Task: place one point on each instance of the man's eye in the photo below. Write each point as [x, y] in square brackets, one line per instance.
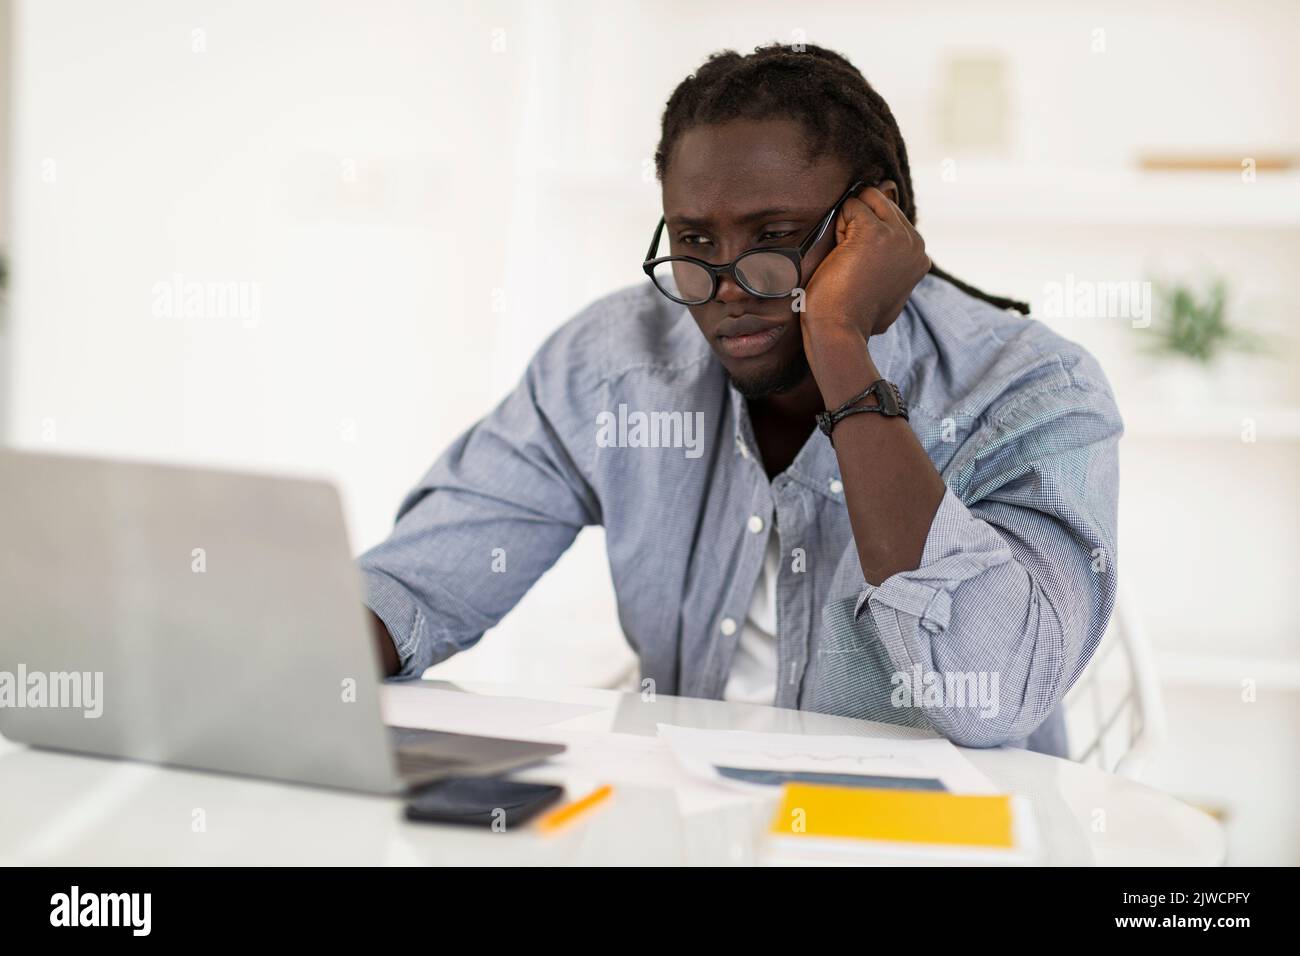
[775, 236]
[693, 240]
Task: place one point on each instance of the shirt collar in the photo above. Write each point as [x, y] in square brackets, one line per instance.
[816, 464]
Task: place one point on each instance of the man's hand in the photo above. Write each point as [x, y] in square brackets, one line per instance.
[891, 487]
[861, 286]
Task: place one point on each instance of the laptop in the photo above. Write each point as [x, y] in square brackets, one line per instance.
[201, 618]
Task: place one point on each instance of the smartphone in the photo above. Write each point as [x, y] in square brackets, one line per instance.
[481, 801]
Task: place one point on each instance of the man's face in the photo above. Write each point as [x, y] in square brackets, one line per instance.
[737, 186]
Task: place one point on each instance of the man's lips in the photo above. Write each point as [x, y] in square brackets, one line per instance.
[746, 336]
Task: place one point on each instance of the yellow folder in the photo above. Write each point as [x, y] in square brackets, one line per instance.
[901, 816]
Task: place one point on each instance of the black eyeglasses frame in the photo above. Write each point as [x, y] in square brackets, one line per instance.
[795, 254]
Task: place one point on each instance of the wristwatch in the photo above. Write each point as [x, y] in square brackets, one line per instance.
[889, 402]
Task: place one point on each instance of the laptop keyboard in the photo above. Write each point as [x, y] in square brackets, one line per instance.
[430, 754]
[413, 762]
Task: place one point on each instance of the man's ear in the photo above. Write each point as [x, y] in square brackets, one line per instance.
[890, 189]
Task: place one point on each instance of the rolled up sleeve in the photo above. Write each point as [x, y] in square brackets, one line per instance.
[1016, 581]
[958, 548]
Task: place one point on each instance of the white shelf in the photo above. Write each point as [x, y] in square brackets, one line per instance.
[1272, 422]
[999, 196]
[1213, 671]
[988, 195]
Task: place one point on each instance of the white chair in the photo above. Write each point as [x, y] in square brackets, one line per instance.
[1115, 712]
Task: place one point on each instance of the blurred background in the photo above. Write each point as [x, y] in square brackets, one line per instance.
[325, 237]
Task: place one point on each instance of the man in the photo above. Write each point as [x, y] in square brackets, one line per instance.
[903, 504]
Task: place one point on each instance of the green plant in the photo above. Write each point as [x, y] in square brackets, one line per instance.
[1196, 326]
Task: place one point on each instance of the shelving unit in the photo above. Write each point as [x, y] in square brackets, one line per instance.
[982, 202]
[977, 194]
[1272, 422]
[1213, 671]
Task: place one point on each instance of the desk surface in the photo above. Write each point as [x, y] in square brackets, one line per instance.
[60, 809]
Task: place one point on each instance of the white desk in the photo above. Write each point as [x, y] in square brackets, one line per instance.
[70, 810]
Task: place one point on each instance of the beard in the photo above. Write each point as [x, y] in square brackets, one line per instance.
[774, 381]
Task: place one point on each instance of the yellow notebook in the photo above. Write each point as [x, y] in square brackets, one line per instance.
[815, 812]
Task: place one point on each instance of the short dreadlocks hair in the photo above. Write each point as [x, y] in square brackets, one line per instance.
[819, 89]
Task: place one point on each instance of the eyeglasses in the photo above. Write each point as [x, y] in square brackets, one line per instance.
[764, 272]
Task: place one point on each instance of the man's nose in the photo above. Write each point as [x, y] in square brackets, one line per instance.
[729, 290]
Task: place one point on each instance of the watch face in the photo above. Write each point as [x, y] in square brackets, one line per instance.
[887, 395]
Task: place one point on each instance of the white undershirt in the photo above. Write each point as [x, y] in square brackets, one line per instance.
[753, 666]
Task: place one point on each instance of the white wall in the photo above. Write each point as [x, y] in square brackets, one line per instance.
[5, 62]
[4, 124]
[385, 174]
[366, 169]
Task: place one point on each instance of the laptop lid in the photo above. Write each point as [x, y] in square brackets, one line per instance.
[186, 616]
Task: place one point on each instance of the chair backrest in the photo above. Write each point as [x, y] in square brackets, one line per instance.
[1115, 712]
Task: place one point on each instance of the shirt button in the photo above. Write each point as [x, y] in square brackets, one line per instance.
[728, 626]
[836, 486]
[755, 524]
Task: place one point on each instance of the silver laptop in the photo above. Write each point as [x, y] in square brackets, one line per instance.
[205, 619]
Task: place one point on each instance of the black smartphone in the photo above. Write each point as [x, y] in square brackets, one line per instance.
[481, 801]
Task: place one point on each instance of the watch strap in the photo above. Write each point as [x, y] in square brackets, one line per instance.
[889, 402]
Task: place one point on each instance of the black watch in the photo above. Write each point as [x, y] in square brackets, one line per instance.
[889, 402]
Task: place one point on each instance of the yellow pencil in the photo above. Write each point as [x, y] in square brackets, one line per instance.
[566, 814]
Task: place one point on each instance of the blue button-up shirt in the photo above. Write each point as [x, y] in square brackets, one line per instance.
[625, 418]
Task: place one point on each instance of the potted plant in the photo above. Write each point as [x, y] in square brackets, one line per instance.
[1192, 338]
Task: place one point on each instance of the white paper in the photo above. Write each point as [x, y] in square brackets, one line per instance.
[593, 759]
[615, 758]
[431, 708]
[701, 752]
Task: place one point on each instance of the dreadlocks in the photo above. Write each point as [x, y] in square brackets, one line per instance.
[821, 90]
